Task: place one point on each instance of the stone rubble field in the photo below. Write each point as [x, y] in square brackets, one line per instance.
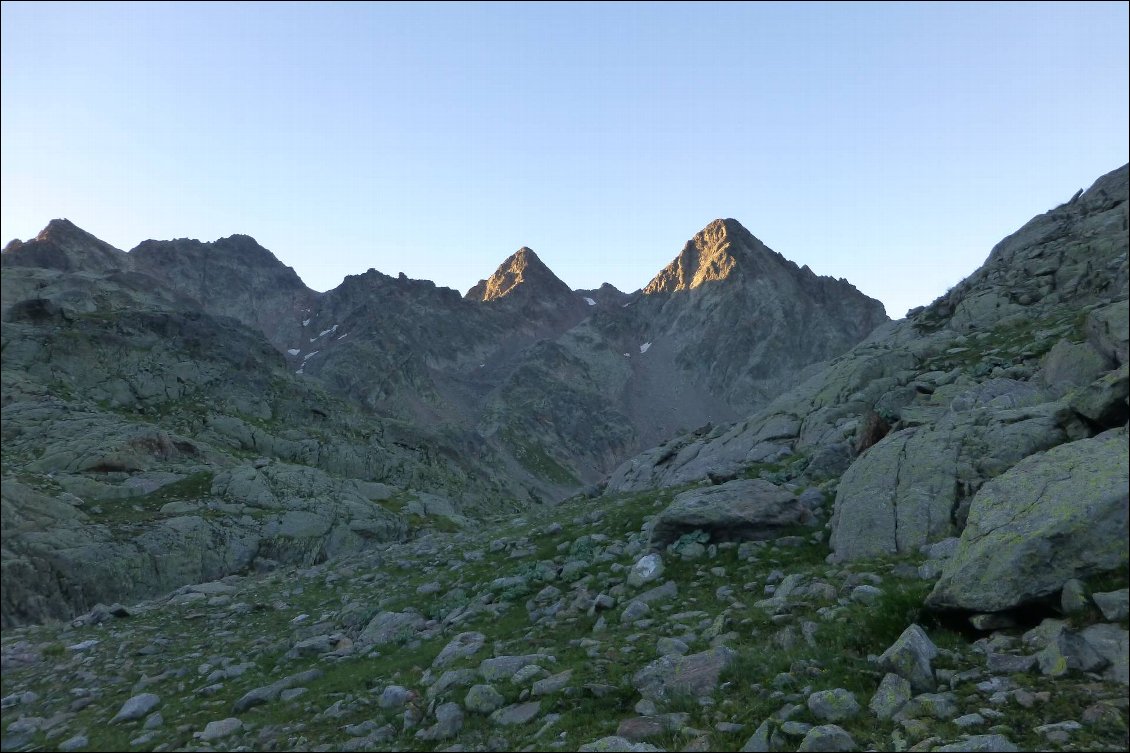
[573, 629]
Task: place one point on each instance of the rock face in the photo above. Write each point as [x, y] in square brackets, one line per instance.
[232, 276]
[1054, 516]
[725, 274]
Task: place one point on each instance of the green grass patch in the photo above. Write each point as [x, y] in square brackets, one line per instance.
[537, 461]
[147, 507]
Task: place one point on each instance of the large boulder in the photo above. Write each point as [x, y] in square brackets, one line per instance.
[910, 658]
[1103, 402]
[1108, 330]
[912, 488]
[737, 510]
[1057, 515]
[391, 627]
[696, 675]
[1069, 364]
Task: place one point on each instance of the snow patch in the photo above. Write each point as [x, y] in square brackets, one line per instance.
[293, 352]
[298, 372]
[324, 332]
[644, 347]
[627, 355]
[341, 336]
[305, 322]
[590, 301]
[310, 355]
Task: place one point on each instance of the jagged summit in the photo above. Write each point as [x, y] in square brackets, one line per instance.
[61, 228]
[64, 246]
[606, 295]
[718, 252]
[522, 271]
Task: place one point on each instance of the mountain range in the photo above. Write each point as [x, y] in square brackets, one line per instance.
[202, 364]
[563, 384]
[706, 514]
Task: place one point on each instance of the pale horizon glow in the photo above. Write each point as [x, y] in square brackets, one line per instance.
[889, 144]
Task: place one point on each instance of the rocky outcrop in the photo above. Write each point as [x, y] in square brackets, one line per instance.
[1074, 254]
[62, 555]
[742, 510]
[1054, 516]
[914, 487]
[695, 675]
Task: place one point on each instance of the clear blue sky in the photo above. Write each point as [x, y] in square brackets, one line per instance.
[890, 144]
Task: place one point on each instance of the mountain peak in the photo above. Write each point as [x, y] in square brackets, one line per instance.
[64, 231]
[65, 246]
[522, 272]
[715, 253]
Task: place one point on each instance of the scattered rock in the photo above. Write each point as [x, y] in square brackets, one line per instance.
[648, 568]
[395, 697]
[834, 705]
[505, 667]
[518, 713]
[981, 744]
[78, 742]
[893, 693]
[390, 627]
[1115, 605]
[1073, 599]
[268, 693]
[460, 647]
[647, 727]
[552, 684]
[216, 730]
[1112, 644]
[910, 657]
[827, 737]
[136, 707]
[615, 744]
[483, 699]
[449, 721]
